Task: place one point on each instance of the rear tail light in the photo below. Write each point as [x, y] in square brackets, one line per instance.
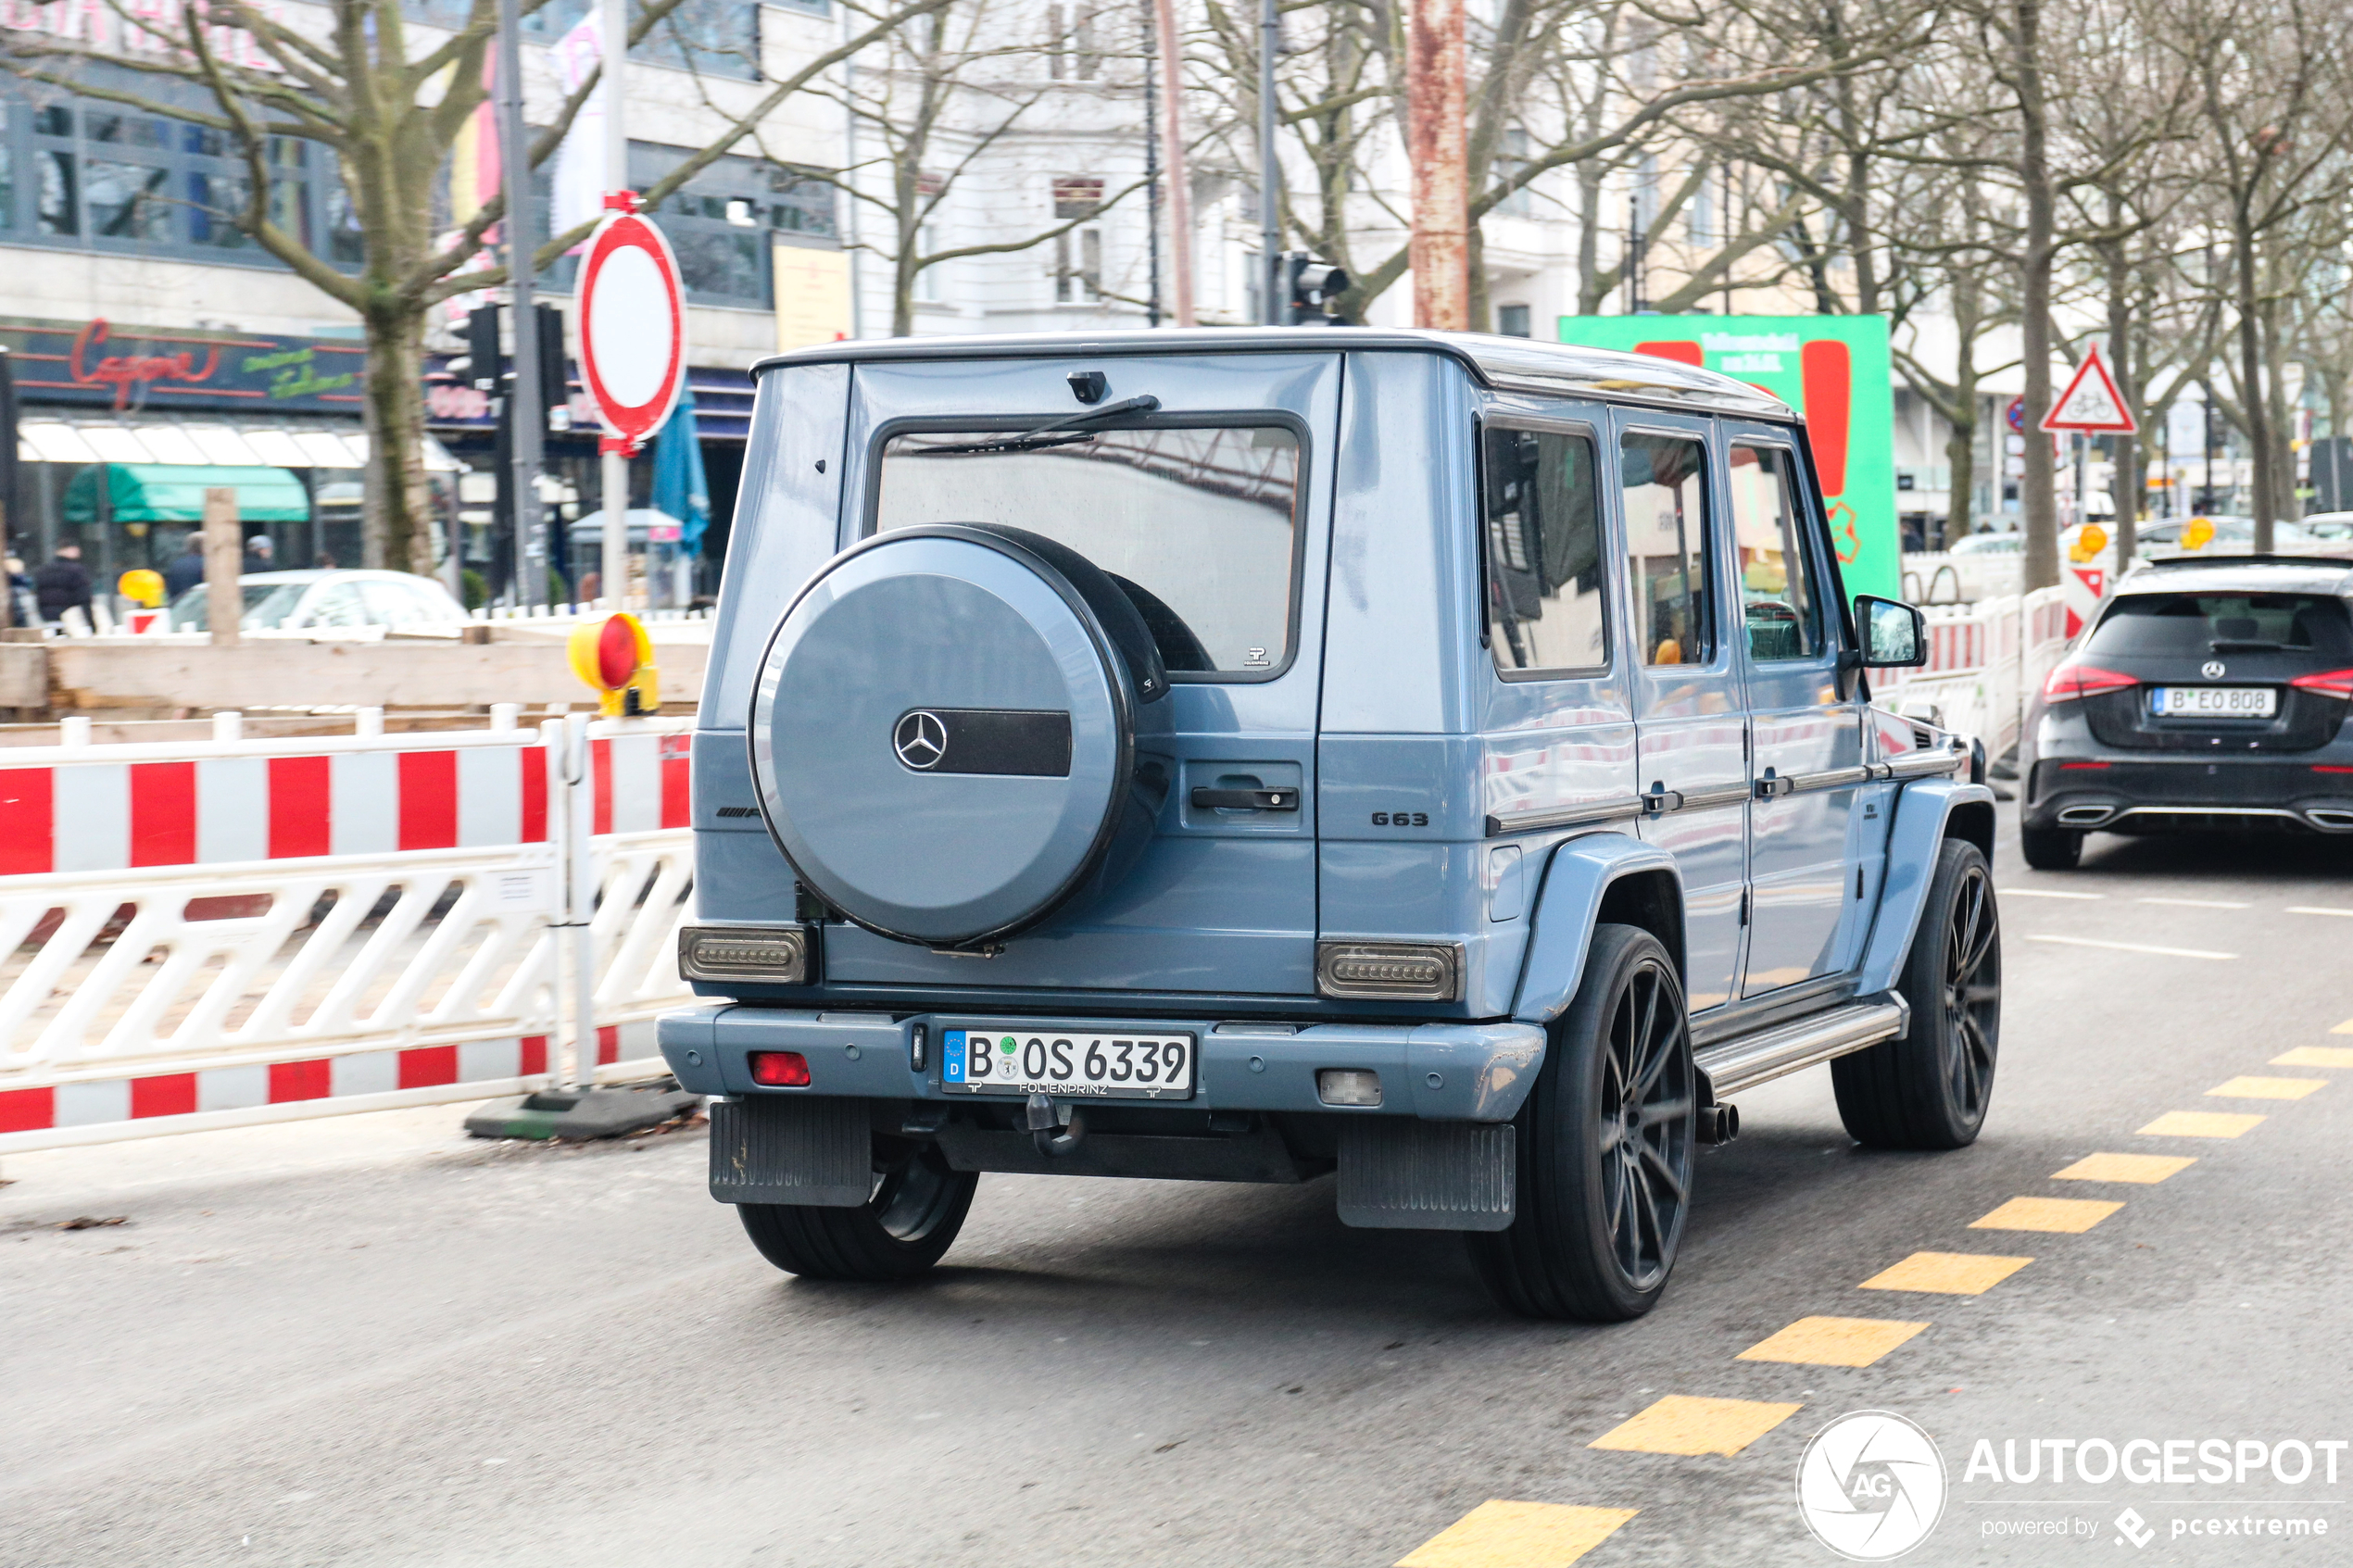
[1403, 971]
[2328, 683]
[2071, 680]
[778, 955]
[780, 1070]
[2072, 767]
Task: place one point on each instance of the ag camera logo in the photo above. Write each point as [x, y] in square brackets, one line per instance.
[1870, 1485]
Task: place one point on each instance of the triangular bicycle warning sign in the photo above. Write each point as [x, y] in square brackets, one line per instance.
[2090, 403]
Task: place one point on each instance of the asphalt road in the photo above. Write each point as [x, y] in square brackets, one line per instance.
[366, 1340]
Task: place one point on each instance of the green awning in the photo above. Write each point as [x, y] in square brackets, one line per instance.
[174, 493]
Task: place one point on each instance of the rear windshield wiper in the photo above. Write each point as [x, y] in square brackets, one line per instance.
[1054, 432]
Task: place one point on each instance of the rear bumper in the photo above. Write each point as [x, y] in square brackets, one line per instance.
[1435, 1071]
[2142, 795]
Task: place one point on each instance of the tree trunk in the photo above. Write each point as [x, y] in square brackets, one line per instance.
[2124, 480]
[396, 514]
[1482, 317]
[2038, 491]
[2254, 399]
[1591, 289]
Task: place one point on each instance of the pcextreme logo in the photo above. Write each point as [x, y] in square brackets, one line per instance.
[1870, 1485]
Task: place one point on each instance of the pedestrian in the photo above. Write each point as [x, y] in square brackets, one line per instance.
[259, 550]
[64, 585]
[186, 570]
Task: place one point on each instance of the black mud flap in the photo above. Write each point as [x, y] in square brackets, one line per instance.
[798, 1150]
[1400, 1174]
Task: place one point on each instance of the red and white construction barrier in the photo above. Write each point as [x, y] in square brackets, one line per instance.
[202, 934]
[1984, 658]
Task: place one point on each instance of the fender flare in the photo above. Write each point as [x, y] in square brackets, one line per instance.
[1925, 810]
[1577, 876]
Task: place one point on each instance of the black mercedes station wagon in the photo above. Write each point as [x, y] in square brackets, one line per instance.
[2206, 696]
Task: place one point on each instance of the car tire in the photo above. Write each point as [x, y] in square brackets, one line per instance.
[1927, 1089]
[2051, 849]
[1601, 1216]
[918, 1206]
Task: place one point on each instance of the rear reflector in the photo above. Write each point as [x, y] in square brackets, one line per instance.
[2070, 767]
[2330, 768]
[780, 1070]
[2070, 682]
[2329, 683]
[1347, 1085]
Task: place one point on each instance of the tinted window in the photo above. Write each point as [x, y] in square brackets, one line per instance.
[1196, 525]
[1664, 480]
[2193, 624]
[1545, 580]
[1776, 559]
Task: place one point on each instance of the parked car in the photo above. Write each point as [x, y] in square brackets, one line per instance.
[318, 600]
[2231, 537]
[1988, 565]
[2204, 696]
[1219, 758]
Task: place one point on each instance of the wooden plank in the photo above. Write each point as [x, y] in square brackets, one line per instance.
[24, 675]
[286, 673]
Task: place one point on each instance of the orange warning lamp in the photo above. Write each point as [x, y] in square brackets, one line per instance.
[616, 657]
[2198, 534]
[142, 588]
[2090, 540]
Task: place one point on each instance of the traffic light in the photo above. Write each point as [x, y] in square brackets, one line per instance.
[1312, 289]
[555, 387]
[482, 368]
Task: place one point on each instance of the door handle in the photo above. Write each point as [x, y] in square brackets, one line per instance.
[1659, 800]
[1773, 784]
[1206, 799]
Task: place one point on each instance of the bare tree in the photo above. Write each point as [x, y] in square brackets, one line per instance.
[388, 100]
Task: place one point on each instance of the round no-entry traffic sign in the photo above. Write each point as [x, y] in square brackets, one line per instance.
[633, 326]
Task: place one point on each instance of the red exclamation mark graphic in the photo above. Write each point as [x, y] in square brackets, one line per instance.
[1826, 376]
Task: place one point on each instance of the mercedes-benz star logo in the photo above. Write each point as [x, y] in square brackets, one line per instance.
[2212, 669]
[921, 740]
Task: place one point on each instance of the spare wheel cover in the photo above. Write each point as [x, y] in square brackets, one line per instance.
[940, 736]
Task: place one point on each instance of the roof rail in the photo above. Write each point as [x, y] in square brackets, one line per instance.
[2318, 563]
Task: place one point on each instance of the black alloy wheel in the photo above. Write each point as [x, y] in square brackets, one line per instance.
[1606, 1146]
[1928, 1088]
[906, 1225]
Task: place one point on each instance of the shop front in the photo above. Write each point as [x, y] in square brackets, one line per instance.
[121, 430]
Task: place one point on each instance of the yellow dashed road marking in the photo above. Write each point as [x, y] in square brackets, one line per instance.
[1518, 1534]
[1832, 1341]
[2318, 1056]
[2068, 1214]
[1946, 1273]
[2317, 909]
[1680, 1423]
[2344, 1028]
[2269, 1088]
[2127, 1167]
[2200, 1124]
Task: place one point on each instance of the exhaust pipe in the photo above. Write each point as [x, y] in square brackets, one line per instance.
[2085, 816]
[1719, 1123]
[2334, 819]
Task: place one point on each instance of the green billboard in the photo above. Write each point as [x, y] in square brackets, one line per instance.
[1834, 369]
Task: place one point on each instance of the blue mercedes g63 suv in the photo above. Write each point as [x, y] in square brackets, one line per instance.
[1444, 763]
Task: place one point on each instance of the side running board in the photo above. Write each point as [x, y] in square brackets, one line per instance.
[1760, 1058]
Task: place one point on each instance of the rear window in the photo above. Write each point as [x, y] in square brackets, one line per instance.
[2198, 624]
[1197, 525]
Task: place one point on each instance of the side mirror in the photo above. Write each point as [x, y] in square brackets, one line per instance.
[1894, 634]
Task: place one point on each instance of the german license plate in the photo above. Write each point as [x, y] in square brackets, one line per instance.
[2214, 702]
[1081, 1064]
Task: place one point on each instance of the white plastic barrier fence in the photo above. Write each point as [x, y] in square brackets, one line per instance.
[202, 934]
[1984, 661]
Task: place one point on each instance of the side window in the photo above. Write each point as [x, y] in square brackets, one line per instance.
[1664, 480]
[1777, 565]
[1545, 580]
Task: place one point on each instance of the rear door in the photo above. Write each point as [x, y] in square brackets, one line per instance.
[1806, 741]
[1690, 717]
[1214, 511]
